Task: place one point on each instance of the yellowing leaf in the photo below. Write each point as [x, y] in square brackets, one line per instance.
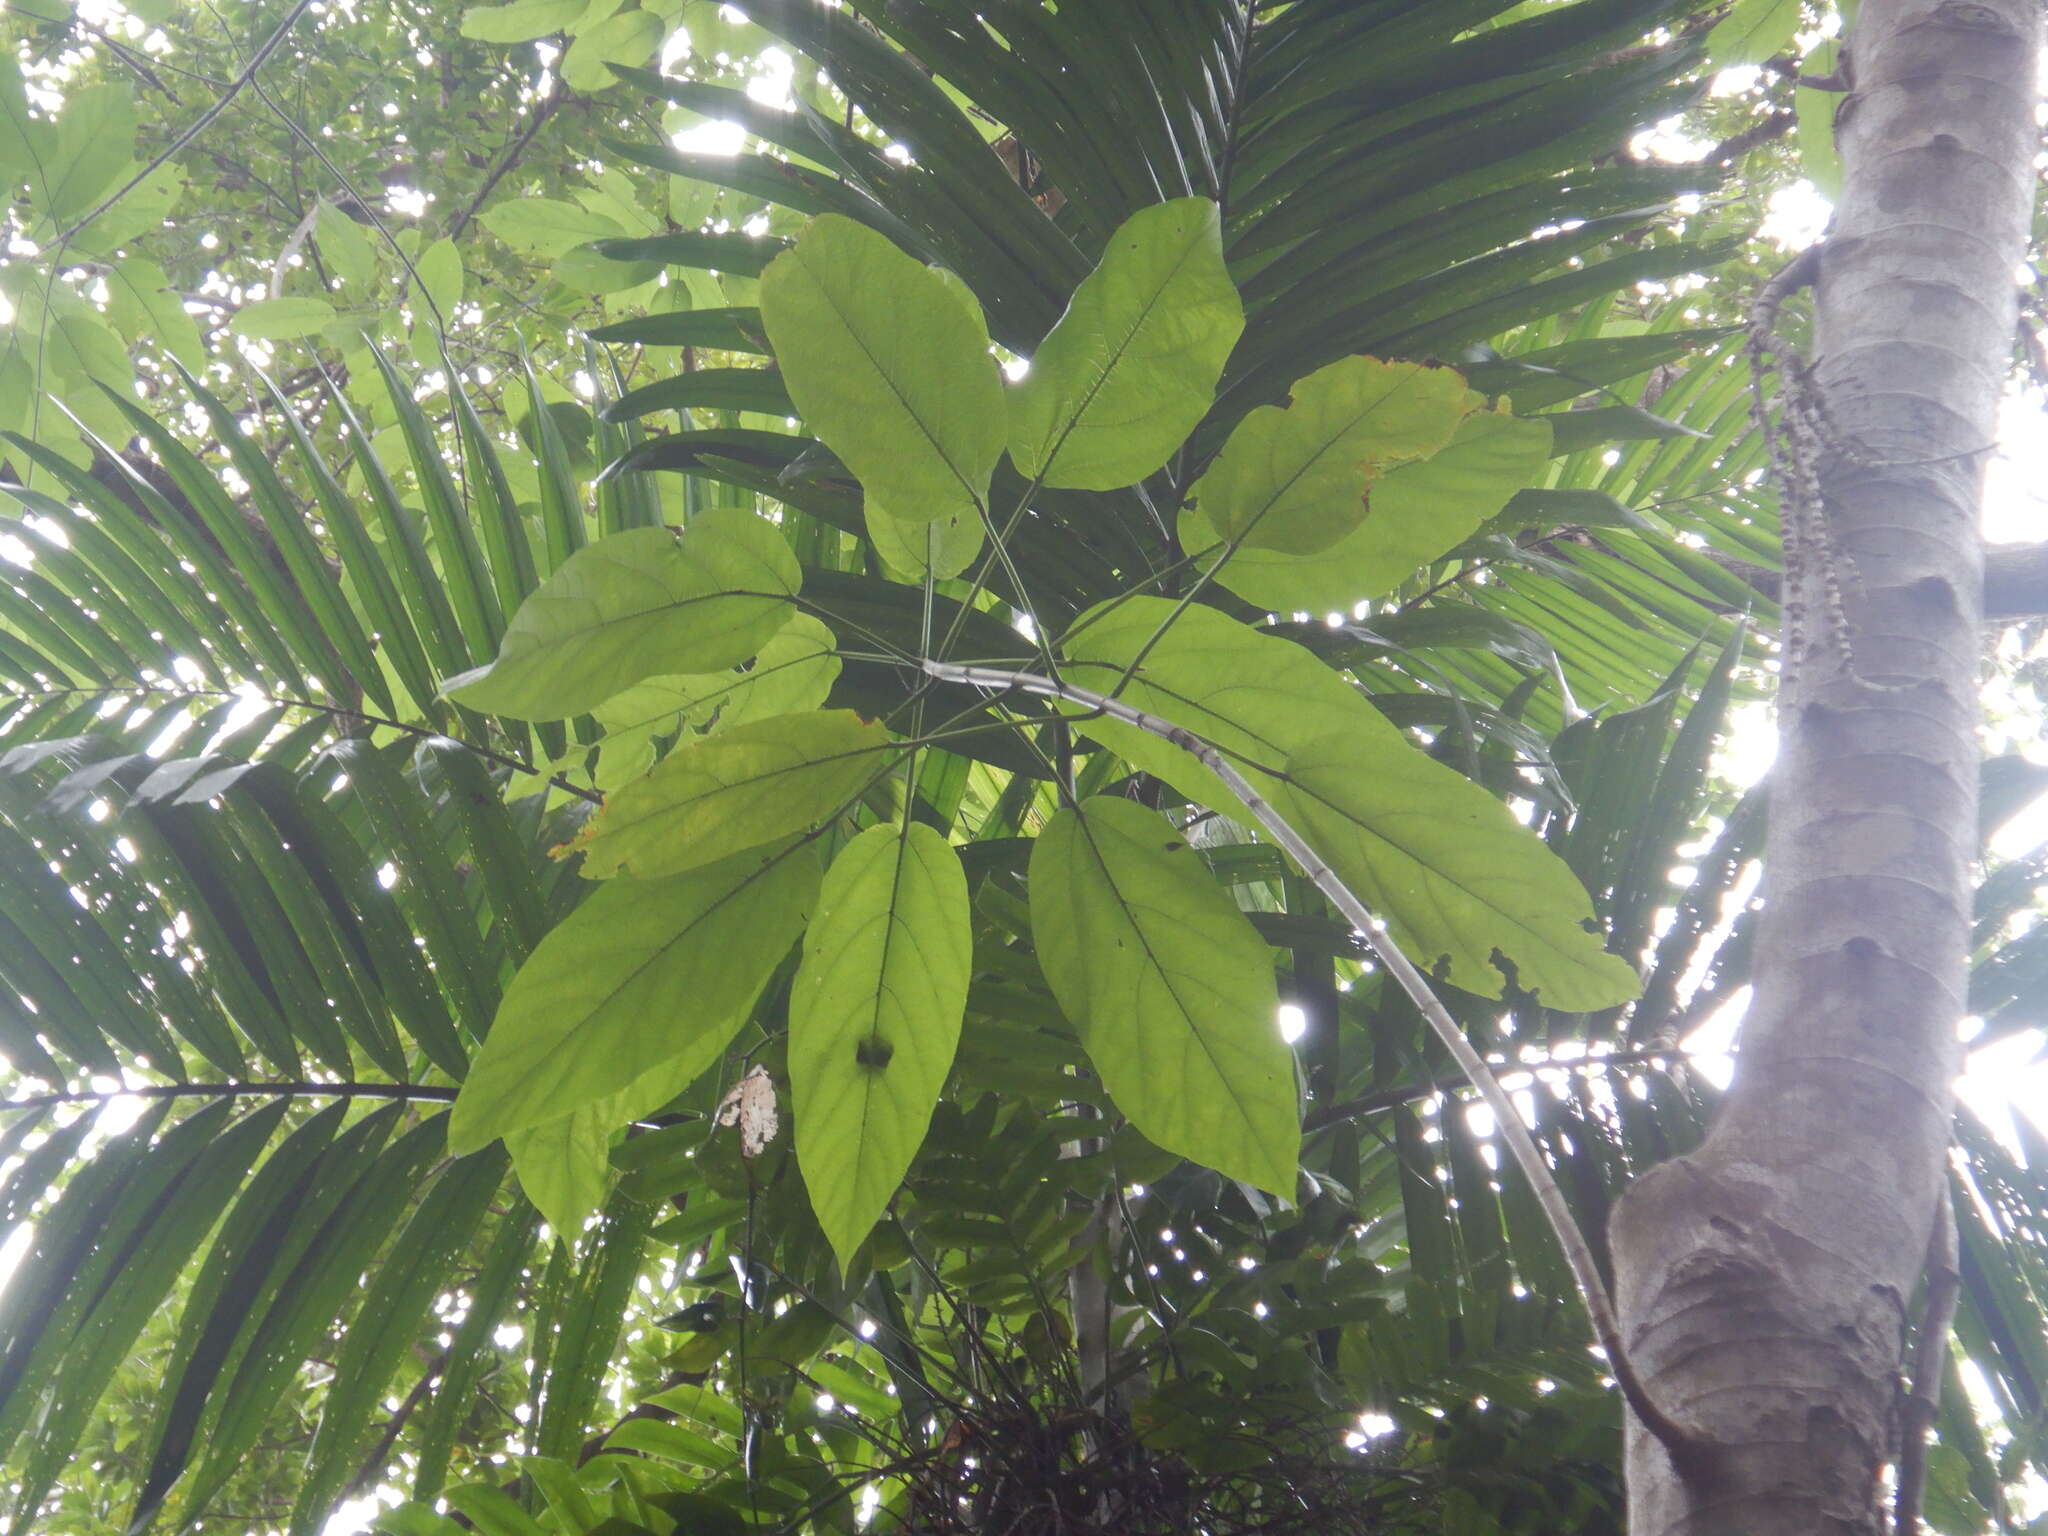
[1132, 365]
[1171, 988]
[638, 604]
[888, 363]
[734, 790]
[1414, 513]
[874, 1018]
[644, 975]
[1295, 479]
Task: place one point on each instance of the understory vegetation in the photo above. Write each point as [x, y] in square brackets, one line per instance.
[534, 1001]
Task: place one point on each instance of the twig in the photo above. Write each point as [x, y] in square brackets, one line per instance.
[1930, 1352]
[198, 124]
[366, 1474]
[128, 57]
[540, 114]
[1508, 1119]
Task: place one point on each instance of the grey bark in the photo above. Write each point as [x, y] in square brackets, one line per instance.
[1764, 1282]
[2015, 580]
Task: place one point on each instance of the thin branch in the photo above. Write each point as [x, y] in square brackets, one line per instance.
[366, 1474]
[1930, 1353]
[540, 114]
[300, 1089]
[198, 124]
[1508, 1119]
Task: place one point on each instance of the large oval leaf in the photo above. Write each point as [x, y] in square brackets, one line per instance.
[1171, 988]
[645, 974]
[888, 361]
[1132, 365]
[732, 791]
[1413, 514]
[638, 604]
[1279, 713]
[1453, 873]
[874, 1018]
[1295, 478]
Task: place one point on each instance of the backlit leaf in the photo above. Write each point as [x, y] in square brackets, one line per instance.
[888, 362]
[1274, 709]
[638, 604]
[281, 319]
[1132, 365]
[1295, 478]
[874, 1018]
[1453, 873]
[1170, 986]
[644, 975]
[1414, 513]
[732, 791]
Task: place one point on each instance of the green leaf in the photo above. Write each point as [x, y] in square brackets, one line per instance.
[1171, 988]
[888, 362]
[586, 269]
[281, 319]
[734, 790]
[1295, 479]
[1275, 709]
[564, 1164]
[440, 273]
[398, 1300]
[343, 246]
[874, 1019]
[1414, 513]
[95, 144]
[140, 301]
[546, 226]
[1751, 32]
[1814, 131]
[1132, 365]
[794, 673]
[627, 38]
[520, 22]
[947, 545]
[639, 603]
[1453, 873]
[644, 975]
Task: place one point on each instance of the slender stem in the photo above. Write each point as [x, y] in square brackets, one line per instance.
[1508, 1119]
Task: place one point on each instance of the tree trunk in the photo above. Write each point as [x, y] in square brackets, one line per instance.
[1764, 1282]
